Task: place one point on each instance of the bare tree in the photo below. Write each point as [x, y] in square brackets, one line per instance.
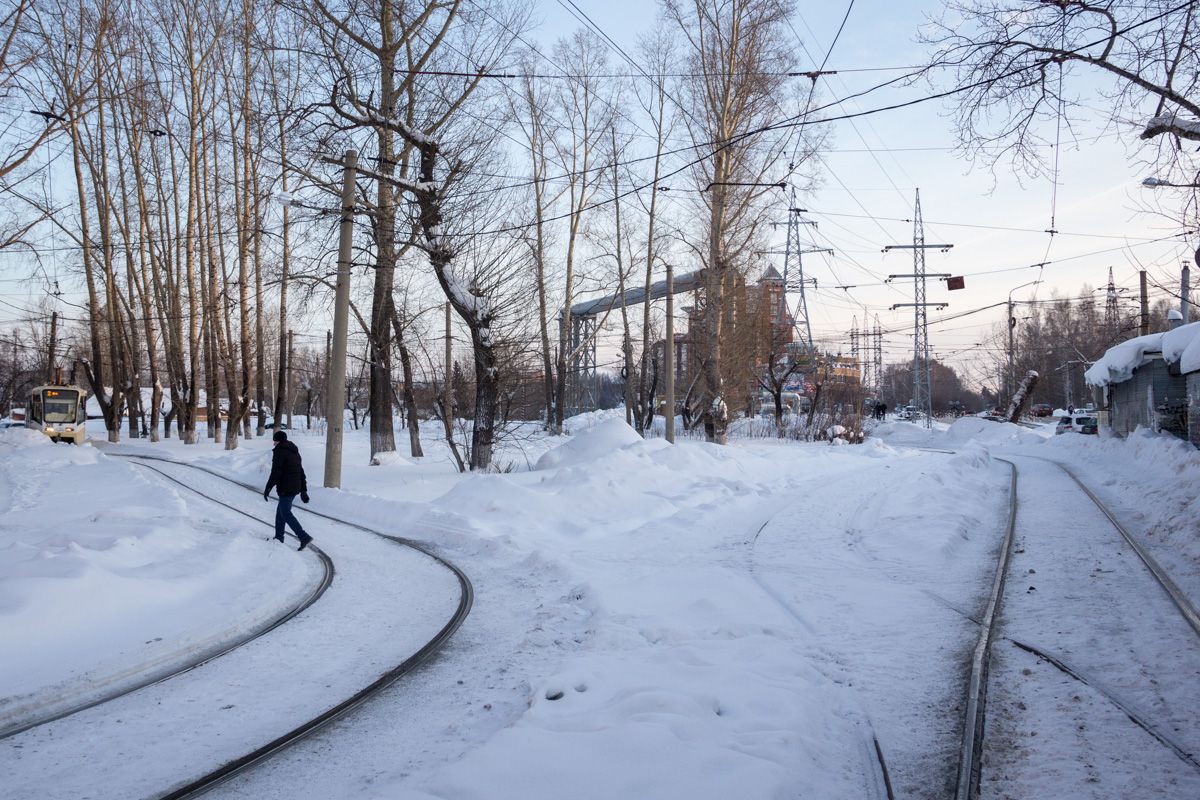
[739, 54]
[1019, 65]
[538, 130]
[584, 107]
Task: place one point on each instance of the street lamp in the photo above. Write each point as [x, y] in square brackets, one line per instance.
[1185, 276]
[1154, 183]
[1012, 323]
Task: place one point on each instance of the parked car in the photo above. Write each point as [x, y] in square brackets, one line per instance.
[1042, 410]
[1092, 426]
[1074, 424]
[11, 423]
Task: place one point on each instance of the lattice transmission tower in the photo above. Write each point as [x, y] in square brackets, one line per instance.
[877, 357]
[854, 348]
[922, 397]
[1112, 312]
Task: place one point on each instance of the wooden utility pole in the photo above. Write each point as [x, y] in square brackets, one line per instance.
[341, 313]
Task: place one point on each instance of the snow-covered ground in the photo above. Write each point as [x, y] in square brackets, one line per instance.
[650, 621]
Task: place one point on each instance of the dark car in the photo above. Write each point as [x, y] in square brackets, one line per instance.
[1091, 426]
[1042, 410]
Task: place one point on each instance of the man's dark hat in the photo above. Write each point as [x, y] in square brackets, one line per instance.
[280, 436]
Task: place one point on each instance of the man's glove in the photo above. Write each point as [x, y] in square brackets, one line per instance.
[267, 495]
[304, 497]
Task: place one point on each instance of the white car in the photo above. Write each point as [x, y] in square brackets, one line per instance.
[1073, 424]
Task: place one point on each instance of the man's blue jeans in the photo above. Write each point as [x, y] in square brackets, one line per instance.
[283, 513]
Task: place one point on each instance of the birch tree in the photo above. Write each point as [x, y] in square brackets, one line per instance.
[739, 56]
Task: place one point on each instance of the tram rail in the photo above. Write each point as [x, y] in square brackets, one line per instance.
[234, 767]
[967, 786]
[57, 711]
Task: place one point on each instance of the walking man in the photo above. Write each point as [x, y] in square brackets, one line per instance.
[287, 475]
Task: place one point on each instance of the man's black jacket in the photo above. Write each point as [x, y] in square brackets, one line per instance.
[287, 473]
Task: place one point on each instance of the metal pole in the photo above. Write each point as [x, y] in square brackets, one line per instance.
[1012, 323]
[341, 314]
[1184, 304]
[1145, 306]
[53, 345]
[669, 357]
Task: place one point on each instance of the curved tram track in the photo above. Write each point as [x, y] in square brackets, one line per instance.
[51, 712]
[230, 767]
[971, 758]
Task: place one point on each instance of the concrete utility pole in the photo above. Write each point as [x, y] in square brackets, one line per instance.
[287, 392]
[669, 357]
[922, 384]
[336, 390]
[448, 393]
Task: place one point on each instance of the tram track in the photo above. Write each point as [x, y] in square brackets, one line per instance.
[297, 728]
[973, 744]
[57, 711]
[235, 767]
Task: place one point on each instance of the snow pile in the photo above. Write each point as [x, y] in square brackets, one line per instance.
[986, 431]
[389, 458]
[684, 655]
[910, 434]
[923, 512]
[107, 575]
[590, 419]
[595, 441]
[1119, 362]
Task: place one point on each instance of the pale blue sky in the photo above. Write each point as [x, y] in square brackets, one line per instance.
[867, 195]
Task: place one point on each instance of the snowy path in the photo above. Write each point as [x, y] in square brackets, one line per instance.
[1077, 591]
[385, 603]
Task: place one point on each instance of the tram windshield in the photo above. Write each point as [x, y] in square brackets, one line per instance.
[59, 406]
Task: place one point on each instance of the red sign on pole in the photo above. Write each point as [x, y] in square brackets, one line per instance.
[956, 283]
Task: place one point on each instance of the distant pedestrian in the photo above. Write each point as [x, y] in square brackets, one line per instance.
[287, 475]
[1070, 409]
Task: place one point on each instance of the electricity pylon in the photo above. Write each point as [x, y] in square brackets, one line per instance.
[922, 385]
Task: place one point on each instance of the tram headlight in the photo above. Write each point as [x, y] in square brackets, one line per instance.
[49, 429]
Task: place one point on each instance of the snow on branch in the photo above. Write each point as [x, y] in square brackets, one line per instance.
[417, 137]
[403, 184]
[1169, 123]
[479, 306]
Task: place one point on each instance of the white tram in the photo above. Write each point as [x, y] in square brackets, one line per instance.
[60, 412]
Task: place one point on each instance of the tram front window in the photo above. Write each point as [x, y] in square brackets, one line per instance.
[58, 410]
